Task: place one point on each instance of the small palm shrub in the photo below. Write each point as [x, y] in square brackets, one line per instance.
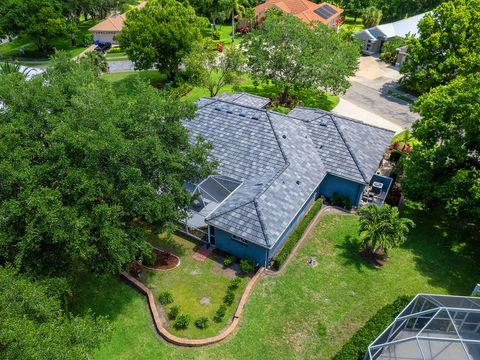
[202, 322]
[165, 298]
[247, 265]
[229, 297]
[229, 260]
[174, 311]
[182, 321]
[220, 313]
[234, 283]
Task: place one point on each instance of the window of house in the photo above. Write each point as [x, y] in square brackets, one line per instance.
[239, 239]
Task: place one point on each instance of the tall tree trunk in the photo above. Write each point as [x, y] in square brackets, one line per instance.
[233, 26]
[284, 96]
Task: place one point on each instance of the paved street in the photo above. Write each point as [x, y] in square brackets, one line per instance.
[120, 66]
[368, 100]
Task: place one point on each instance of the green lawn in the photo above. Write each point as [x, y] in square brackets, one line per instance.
[225, 31]
[351, 25]
[283, 313]
[321, 100]
[122, 81]
[191, 281]
[63, 42]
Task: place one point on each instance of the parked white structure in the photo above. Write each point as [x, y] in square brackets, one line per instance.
[374, 37]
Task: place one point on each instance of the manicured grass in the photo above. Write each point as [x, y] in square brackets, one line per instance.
[225, 31]
[122, 82]
[11, 49]
[309, 98]
[191, 281]
[351, 25]
[281, 317]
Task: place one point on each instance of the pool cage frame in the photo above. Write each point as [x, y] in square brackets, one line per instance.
[440, 325]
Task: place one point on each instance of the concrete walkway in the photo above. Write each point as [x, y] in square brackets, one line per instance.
[84, 52]
[368, 99]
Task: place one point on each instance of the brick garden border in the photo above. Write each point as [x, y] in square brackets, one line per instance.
[168, 336]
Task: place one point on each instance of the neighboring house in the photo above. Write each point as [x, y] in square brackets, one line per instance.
[374, 37]
[272, 167]
[106, 30]
[305, 10]
[441, 327]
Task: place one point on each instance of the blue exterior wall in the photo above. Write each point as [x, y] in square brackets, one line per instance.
[224, 241]
[344, 187]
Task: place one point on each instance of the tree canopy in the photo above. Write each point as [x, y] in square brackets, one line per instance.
[444, 168]
[448, 45]
[34, 325]
[161, 34]
[83, 170]
[214, 71]
[294, 55]
[42, 20]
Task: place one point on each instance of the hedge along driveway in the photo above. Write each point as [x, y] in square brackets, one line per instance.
[281, 317]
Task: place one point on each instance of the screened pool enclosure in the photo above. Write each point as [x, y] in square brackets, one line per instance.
[208, 194]
[439, 327]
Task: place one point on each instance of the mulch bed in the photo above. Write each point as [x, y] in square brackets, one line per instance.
[376, 260]
[164, 261]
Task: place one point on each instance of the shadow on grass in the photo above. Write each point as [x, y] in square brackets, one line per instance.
[105, 295]
[168, 243]
[442, 252]
[123, 83]
[349, 251]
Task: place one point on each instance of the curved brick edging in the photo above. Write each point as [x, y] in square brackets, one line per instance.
[308, 231]
[153, 269]
[163, 332]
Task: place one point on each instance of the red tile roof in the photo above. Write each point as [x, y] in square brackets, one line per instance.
[114, 23]
[303, 9]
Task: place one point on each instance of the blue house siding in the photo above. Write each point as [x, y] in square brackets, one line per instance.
[332, 184]
[224, 241]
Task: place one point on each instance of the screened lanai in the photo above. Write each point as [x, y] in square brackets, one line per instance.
[439, 327]
[208, 194]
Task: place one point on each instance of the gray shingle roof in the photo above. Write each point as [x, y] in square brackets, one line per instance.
[280, 159]
[246, 99]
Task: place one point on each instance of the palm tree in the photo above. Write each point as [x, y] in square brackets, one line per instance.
[235, 7]
[381, 228]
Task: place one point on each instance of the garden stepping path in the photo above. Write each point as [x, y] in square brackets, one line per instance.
[202, 253]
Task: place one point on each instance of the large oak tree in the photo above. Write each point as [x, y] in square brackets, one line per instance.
[85, 171]
[294, 55]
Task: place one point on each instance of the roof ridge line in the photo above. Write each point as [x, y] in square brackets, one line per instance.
[349, 150]
[261, 221]
[209, 103]
[229, 210]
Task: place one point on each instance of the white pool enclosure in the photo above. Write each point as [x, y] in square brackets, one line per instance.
[440, 327]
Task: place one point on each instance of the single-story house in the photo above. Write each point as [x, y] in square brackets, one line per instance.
[305, 10]
[106, 30]
[271, 169]
[374, 37]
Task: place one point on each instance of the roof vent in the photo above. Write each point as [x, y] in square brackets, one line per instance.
[298, 182]
[243, 113]
[256, 116]
[229, 111]
[320, 146]
[217, 108]
[284, 136]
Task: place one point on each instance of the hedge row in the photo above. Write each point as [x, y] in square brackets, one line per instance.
[355, 348]
[296, 235]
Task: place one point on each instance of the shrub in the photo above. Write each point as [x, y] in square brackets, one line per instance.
[165, 298]
[229, 297]
[389, 50]
[229, 260]
[321, 330]
[182, 321]
[247, 265]
[356, 347]
[202, 323]
[115, 50]
[149, 258]
[234, 283]
[296, 235]
[216, 35]
[340, 200]
[174, 311]
[220, 313]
